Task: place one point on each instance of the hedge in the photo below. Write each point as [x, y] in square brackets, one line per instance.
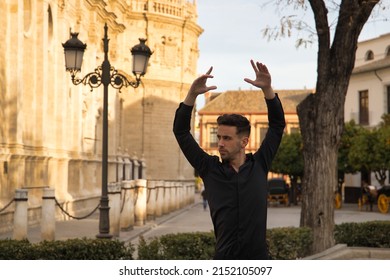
[289, 243]
[284, 244]
[180, 246]
[71, 249]
[366, 234]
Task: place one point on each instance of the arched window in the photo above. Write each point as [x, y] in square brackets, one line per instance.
[369, 55]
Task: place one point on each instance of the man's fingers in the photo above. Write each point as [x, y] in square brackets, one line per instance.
[249, 81]
[262, 67]
[254, 66]
[206, 75]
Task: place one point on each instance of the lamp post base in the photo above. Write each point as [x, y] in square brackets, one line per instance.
[104, 220]
[104, 236]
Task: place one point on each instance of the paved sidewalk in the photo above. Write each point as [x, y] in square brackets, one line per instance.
[191, 219]
[89, 228]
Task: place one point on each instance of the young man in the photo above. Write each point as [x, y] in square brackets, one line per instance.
[237, 186]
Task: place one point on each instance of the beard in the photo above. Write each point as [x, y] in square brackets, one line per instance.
[229, 155]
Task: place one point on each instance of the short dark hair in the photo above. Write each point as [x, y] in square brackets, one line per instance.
[240, 122]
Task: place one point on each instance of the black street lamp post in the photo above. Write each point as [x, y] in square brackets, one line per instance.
[106, 75]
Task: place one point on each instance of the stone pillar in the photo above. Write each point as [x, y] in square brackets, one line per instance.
[167, 195]
[119, 169]
[48, 221]
[20, 215]
[127, 213]
[187, 199]
[114, 196]
[184, 197]
[142, 173]
[128, 167]
[172, 197]
[159, 198]
[180, 195]
[174, 192]
[177, 196]
[151, 200]
[190, 195]
[140, 203]
[192, 189]
[135, 162]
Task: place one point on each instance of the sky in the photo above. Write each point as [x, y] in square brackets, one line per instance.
[233, 35]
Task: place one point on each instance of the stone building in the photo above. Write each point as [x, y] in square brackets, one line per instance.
[368, 96]
[51, 130]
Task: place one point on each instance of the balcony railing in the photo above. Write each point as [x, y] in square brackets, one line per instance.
[174, 8]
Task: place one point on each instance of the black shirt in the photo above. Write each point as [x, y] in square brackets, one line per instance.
[237, 200]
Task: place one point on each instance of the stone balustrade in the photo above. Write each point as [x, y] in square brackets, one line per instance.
[20, 216]
[132, 203]
[174, 8]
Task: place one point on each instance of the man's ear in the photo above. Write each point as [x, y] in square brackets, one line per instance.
[244, 141]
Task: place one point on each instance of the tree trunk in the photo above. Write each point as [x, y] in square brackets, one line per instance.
[293, 189]
[321, 121]
[321, 115]
[380, 176]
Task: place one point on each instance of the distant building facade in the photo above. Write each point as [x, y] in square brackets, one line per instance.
[51, 130]
[368, 96]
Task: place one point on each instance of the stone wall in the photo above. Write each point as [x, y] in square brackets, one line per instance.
[52, 133]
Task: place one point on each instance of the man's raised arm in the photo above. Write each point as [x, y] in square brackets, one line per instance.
[182, 122]
[276, 121]
[198, 87]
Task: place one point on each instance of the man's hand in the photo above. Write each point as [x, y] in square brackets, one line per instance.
[263, 79]
[199, 87]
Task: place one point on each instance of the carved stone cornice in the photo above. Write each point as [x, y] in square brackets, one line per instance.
[122, 6]
[99, 6]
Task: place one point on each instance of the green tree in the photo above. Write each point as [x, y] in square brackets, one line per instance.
[381, 150]
[385, 120]
[370, 151]
[289, 160]
[350, 132]
[321, 115]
